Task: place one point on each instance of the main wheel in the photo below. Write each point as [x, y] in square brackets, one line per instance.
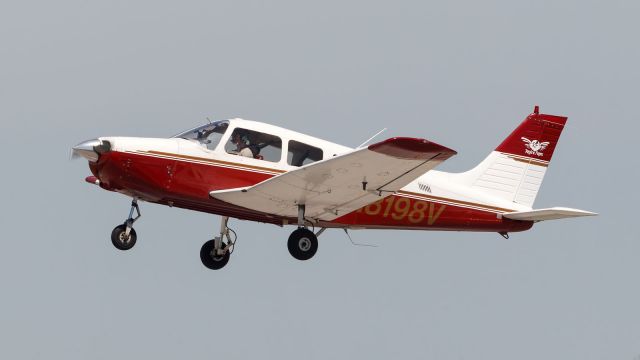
[302, 244]
[209, 257]
[121, 240]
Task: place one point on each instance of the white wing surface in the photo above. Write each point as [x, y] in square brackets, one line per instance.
[339, 185]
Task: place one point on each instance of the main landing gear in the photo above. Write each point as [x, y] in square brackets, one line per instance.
[303, 243]
[124, 236]
[215, 253]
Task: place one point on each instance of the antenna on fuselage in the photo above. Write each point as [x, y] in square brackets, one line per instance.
[355, 243]
[209, 120]
[371, 138]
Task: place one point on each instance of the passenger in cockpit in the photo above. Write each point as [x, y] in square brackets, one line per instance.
[242, 148]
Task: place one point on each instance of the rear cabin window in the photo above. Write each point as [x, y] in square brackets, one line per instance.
[302, 154]
[254, 144]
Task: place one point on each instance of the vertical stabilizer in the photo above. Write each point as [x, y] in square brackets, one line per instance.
[515, 169]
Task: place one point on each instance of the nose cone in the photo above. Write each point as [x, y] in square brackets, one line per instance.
[91, 149]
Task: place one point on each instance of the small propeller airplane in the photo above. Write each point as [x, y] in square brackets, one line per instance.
[259, 172]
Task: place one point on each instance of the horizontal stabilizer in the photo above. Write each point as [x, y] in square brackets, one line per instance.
[553, 213]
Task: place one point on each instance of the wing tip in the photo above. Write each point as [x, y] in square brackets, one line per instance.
[411, 148]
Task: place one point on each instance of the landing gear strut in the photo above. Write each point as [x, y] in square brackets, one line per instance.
[303, 243]
[215, 253]
[124, 236]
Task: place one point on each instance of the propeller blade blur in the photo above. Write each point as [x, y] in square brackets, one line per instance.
[87, 150]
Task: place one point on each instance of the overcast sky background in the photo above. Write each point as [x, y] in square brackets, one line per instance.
[461, 73]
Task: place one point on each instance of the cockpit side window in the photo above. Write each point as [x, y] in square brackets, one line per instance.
[302, 154]
[208, 135]
[254, 144]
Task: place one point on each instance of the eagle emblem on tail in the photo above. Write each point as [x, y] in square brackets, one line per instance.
[534, 147]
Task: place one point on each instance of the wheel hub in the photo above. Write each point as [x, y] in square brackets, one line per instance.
[304, 244]
[124, 238]
[215, 256]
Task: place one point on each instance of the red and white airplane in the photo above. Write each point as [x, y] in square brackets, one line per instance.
[254, 171]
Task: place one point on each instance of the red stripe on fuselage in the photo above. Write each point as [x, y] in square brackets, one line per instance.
[186, 184]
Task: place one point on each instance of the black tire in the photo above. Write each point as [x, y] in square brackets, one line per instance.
[302, 244]
[211, 261]
[120, 240]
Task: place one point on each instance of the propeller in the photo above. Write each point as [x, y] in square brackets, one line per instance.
[73, 155]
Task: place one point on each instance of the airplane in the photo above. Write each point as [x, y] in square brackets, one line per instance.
[254, 171]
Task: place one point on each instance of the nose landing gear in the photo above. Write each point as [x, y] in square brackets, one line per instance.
[124, 236]
[215, 253]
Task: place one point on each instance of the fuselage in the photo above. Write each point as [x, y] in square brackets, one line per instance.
[183, 170]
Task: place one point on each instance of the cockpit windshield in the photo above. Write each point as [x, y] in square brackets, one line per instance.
[208, 135]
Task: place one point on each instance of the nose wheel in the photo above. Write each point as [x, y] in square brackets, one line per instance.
[124, 236]
[123, 240]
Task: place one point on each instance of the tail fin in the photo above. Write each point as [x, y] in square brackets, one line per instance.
[515, 169]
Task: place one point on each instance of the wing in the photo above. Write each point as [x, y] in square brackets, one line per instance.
[526, 140]
[342, 184]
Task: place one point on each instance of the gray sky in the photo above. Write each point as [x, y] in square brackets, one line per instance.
[461, 73]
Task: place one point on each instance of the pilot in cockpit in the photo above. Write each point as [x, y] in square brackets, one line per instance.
[241, 142]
